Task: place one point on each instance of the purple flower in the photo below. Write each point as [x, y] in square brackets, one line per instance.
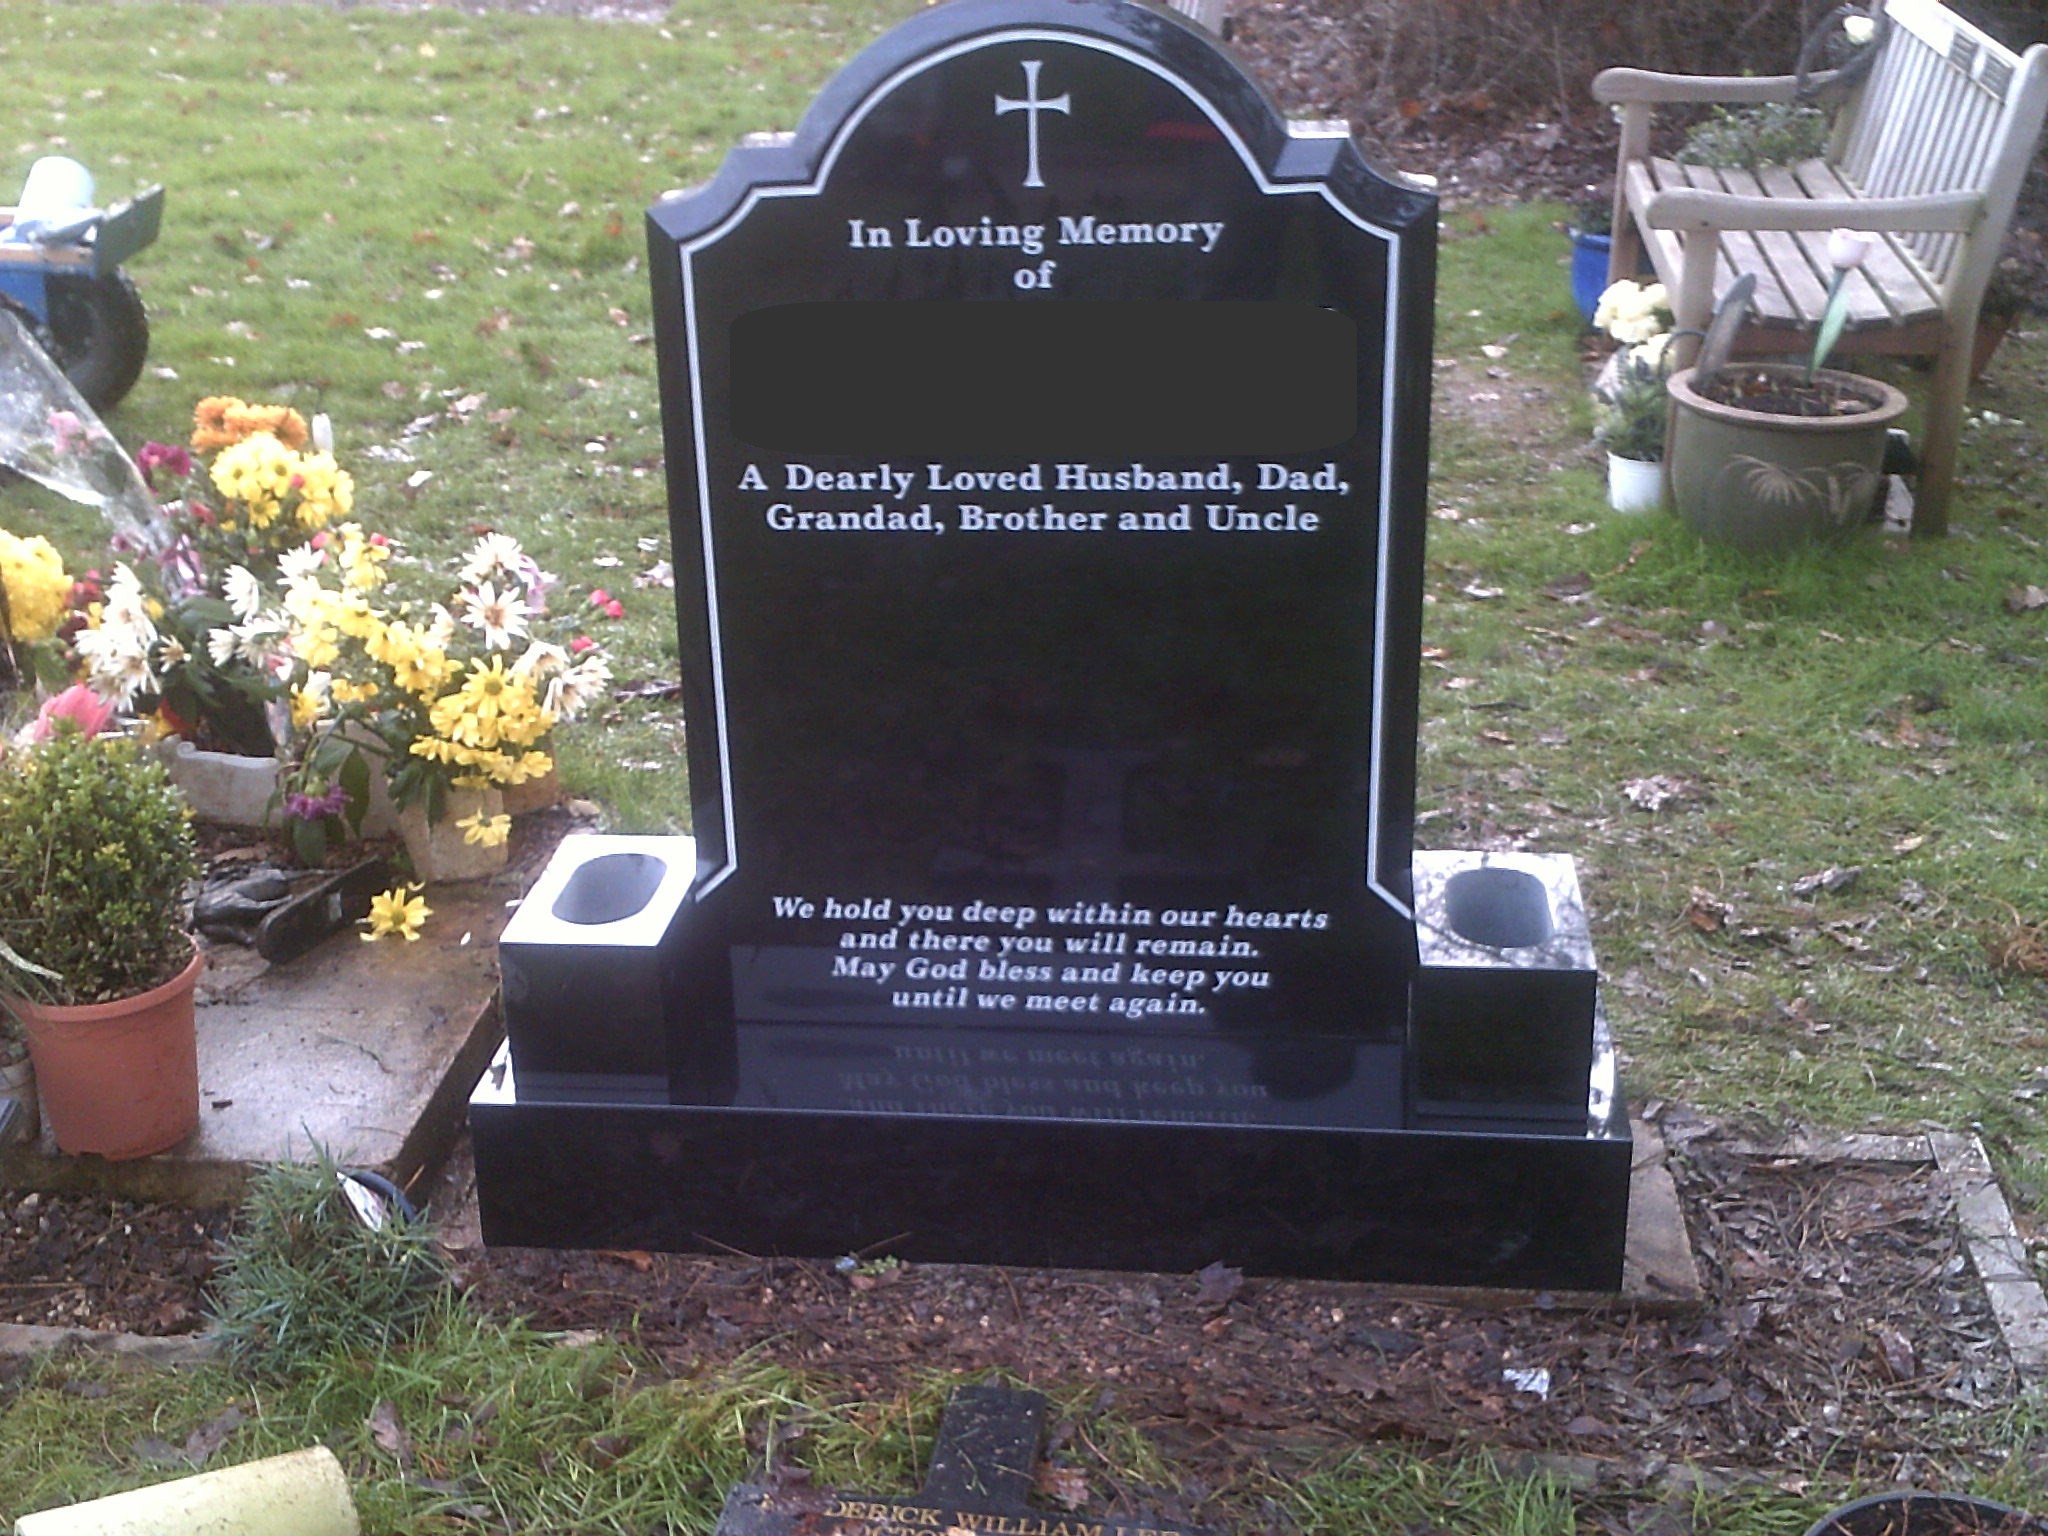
[316, 807]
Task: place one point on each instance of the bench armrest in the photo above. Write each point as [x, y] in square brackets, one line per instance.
[1626, 85]
[1697, 208]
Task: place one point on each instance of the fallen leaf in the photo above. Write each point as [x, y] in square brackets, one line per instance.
[1833, 878]
[1218, 1284]
[2025, 599]
[1659, 790]
[212, 1435]
[1708, 913]
[1065, 1486]
[388, 1433]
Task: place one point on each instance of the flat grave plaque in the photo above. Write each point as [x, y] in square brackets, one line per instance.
[978, 1483]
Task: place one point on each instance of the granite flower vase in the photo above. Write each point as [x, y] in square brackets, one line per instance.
[121, 1078]
[225, 789]
[440, 851]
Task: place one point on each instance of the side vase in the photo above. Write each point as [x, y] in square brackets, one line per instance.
[121, 1078]
[438, 850]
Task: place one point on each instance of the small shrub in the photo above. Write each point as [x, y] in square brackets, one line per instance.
[303, 1277]
[1775, 133]
[95, 849]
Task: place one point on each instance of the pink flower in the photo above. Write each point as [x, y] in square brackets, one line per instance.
[606, 604]
[77, 704]
[155, 456]
[581, 644]
[69, 430]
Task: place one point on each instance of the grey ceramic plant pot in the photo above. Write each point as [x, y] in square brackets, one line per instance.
[1763, 482]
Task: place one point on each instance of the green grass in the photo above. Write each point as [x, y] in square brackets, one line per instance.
[430, 228]
[1875, 706]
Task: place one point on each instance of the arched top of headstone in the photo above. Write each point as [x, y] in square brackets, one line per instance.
[1126, 52]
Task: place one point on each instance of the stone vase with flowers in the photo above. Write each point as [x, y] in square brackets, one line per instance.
[179, 634]
[455, 701]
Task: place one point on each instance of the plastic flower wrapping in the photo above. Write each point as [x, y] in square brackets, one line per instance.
[461, 693]
[184, 633]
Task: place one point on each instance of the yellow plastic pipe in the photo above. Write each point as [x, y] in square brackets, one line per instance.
[300, 1494]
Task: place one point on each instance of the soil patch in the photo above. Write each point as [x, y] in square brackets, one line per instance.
[71, 1261]
[1843, 1329]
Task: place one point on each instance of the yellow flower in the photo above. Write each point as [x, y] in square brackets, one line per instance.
[308, 705]
[326, 491]
[258, 472]
[486, 831]
[37, 588]
[397, 911]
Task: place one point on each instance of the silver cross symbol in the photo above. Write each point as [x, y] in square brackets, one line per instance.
[1031, 106]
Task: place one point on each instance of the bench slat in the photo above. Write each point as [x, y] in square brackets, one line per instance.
[1909, 292]
[1784, 252]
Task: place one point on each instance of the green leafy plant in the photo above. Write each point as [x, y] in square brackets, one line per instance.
[1629, 419]
[1773, 133]
[95, 850]
[305, 1276]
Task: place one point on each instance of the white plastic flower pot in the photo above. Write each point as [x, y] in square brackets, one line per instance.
[1634, 485]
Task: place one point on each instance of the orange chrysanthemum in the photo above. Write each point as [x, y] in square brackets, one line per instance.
[220, 421]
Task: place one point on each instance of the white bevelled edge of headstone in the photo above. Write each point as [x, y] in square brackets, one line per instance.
[535, 921]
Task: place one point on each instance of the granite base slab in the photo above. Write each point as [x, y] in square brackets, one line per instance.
[1502, 1207]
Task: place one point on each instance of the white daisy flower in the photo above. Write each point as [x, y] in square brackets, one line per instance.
[573, 691]
[243, 592]
[494, 555]
[500, 615]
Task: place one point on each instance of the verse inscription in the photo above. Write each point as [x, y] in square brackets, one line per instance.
[1090, 957]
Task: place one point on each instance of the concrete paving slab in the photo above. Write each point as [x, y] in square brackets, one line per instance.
[368, 1050]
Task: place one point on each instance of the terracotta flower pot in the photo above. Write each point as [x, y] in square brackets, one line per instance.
[121, 1078]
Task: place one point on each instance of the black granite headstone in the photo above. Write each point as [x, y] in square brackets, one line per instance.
[1047, 436]
[979, 1481]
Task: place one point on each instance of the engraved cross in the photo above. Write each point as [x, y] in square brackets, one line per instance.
[1031, 105]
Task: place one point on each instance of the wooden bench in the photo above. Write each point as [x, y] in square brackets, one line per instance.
[1928, 151]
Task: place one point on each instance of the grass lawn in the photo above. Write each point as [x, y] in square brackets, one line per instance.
[1806, 792]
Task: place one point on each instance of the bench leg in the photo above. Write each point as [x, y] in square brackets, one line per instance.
[1946, 399]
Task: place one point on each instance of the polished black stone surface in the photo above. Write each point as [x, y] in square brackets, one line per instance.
[1046, 429]
[1105, 639]
[1506, 990]
[1506, 1207]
